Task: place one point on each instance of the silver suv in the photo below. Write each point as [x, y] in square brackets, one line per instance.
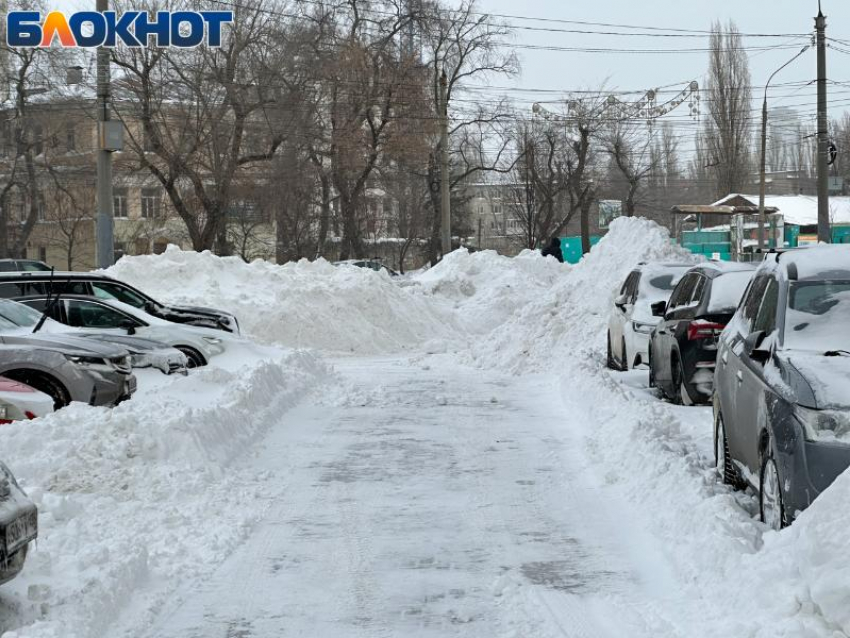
[67, 368]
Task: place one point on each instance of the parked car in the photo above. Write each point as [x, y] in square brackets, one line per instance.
[20, 402]
[15, 286]
[683, 346]
[66, 368]
[18, 525]
[632, 320]
[108, 316]
[371, 264]
[23, 265]
[144, 353]
[782, 385]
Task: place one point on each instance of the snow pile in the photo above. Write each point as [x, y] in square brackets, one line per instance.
[298, 305]
[141, 497]
[487, 289]
[572, 314]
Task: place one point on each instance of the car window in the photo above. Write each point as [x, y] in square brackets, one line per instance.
[696, 297]
[12, 289]
[84, 314]
[33, 266]
[766, 318]
[817, 316]
[683, 292]
[634, 284]
[7, 266]
[752, 303]
[111, 290]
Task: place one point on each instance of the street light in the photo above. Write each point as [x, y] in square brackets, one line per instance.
[762, 216]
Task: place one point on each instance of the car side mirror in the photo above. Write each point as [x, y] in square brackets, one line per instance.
[129, 326]
[621, 302]
[752, 346]
[659, 308]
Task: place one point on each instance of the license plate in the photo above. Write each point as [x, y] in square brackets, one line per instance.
[20, 532]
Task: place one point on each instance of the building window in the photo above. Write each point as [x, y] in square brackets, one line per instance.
[150, 203]
[159, 246]
[497, 209]
[7, 138]
[70, 138]
[41, 207]
[147, 142]
[119, 202]
[42, 253]
[120, 249]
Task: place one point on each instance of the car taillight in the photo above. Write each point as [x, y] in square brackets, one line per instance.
[704, 329]
[30, 415]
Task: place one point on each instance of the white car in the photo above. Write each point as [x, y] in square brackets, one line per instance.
[19, 402]
[631, 321]
[111, 316]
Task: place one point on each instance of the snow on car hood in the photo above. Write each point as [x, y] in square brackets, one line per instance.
[828, 377]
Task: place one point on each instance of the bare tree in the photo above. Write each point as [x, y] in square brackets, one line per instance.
[201, 118]
[727, 132]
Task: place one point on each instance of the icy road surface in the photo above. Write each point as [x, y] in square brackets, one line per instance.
[422, 498]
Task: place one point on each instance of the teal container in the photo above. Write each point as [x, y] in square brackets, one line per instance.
[571, 248]
[841, 234]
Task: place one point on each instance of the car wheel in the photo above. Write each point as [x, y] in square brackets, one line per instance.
[682, 396]
[624, 365]
[195, 358]
[611, 364]
[651, 370]
[771, 506]
[722, 459]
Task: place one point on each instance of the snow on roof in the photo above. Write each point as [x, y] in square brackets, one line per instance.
[800, 210]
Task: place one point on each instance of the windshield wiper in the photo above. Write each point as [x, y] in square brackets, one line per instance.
[51, 301]
[836, 353]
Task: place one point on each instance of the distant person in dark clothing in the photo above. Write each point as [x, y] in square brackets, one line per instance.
[554, 250]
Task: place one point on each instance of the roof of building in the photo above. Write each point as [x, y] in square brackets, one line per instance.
[799, 210]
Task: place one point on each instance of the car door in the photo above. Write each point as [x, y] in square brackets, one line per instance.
[620, 316]
[750, 398]
[92, 316]
[663, 339]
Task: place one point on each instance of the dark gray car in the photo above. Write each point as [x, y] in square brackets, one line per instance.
[18, 525]
[782, 383]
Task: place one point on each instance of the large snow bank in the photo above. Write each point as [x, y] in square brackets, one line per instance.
[571, 312]
[300, 305]
[142, 496]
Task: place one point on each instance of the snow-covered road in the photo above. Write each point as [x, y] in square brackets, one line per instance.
[429, 499]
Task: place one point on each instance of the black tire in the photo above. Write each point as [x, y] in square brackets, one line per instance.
[195, 358]
[43, 383]
[681, 393]
[624, 364]
[771, 501]
[723, 461]
[651, 370]
[611, 363]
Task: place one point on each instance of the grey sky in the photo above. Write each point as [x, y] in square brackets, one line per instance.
[573, 70]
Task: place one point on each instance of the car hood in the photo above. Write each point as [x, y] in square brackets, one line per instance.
[819, 382]
[67, 344]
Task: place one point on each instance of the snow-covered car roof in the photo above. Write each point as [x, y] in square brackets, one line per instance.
[823, 261]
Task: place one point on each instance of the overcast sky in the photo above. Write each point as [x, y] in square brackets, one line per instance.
[573, 70]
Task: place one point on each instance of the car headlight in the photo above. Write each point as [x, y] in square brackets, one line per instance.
[212, 340]
[824, 425]
[85, 361]
[643, 328]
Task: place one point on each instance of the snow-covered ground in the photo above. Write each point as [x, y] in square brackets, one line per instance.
[441, 455]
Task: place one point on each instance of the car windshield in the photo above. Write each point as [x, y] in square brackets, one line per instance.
[818, 315]
[657, 285]
[18, 314]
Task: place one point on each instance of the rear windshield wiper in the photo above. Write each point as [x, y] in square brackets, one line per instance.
[837, 353]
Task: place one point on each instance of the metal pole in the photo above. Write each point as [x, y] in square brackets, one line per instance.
[762, 215]
[445, 191]
[105, 221]
[824, 232]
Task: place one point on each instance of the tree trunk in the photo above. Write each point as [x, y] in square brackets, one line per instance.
[585, 227]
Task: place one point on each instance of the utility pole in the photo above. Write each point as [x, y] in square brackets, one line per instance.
[445, 191]
[105, 220]
[762, 216]
[824, 232]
